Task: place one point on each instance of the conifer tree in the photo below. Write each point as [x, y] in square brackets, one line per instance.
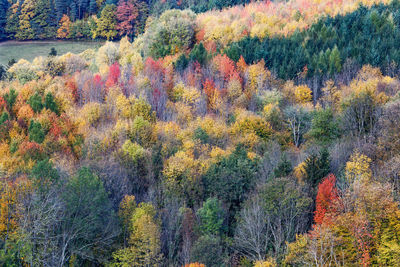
[13, 19]
[25, 31]
[3, 18]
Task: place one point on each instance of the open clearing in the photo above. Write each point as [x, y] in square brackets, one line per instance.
[31, 49]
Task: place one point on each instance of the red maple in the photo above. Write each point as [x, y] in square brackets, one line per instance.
[127, 12]
[113, 75]
[327, 197]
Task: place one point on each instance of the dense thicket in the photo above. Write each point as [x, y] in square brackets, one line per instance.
[365, 36]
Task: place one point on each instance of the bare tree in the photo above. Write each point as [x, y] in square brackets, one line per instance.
[298, 120]
[271, 218]
[252, 235]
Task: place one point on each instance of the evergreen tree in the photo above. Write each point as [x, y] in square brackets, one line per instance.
[35, 102]
[4, 117]
[83, 7]
[199, 54]
[3, 72]
[50, 104]
[3, 18]
[211, 217]
[25, 31]
[284, 167]
[53, 52]
[93, 7]
[73, 11]
[60, 8]
[181, 63]
[335, 65]
[13, 20]
[36, 132]
[43, 24]
[324, 127]
[317, 167]
[11, 98]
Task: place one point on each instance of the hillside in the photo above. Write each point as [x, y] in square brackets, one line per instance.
[201, 143]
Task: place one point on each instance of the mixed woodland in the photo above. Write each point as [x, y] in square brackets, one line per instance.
[213, 133]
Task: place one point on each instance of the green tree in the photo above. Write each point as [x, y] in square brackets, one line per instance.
[181, 63]
[231, 179]
[284, 167]
[10, 98]
[89, 224]
[4, 117]
[173, 32]
[53, 52]
[12, 25]
[324, 127]
[199, 54]
[3, 18]
[43, 23]
[208, 250]
[107, 23]
[35, 102]
[211, 217]
[335, 64]
[317, 166]
[36, 132]
[50, 104]
[44, 175]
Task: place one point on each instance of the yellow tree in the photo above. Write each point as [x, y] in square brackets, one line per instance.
[331, 94]
[358, 168]
[302, 94]
[25, 31]
[144, 240]
[10, 195]
[63, 31]
[126, 209]
[195, 264]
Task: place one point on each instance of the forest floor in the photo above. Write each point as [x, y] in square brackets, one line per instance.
[31, 49]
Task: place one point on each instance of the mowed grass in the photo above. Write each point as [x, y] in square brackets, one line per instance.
[32, 49]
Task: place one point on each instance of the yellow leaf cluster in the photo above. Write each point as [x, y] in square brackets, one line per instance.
[267, 263]
[358, 168]
[303, 94]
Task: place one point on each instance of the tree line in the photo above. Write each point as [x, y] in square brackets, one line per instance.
[87, 19]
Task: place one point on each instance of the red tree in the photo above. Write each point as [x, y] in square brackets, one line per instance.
[326, 201]
[2, 103]
[211, 92]
[226, 67]
[113, 75]
[73, 87]
[127, 12]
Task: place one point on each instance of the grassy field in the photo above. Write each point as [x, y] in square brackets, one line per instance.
[30, 50]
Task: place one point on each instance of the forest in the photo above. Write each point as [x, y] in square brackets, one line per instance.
[88, 19]
[208, 133]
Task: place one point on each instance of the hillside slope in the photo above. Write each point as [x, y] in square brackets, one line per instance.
[172, 151]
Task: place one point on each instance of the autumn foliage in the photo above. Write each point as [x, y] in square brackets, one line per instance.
[182, 148]
[326, 201]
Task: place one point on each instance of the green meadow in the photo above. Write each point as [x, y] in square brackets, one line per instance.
[31, 49]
